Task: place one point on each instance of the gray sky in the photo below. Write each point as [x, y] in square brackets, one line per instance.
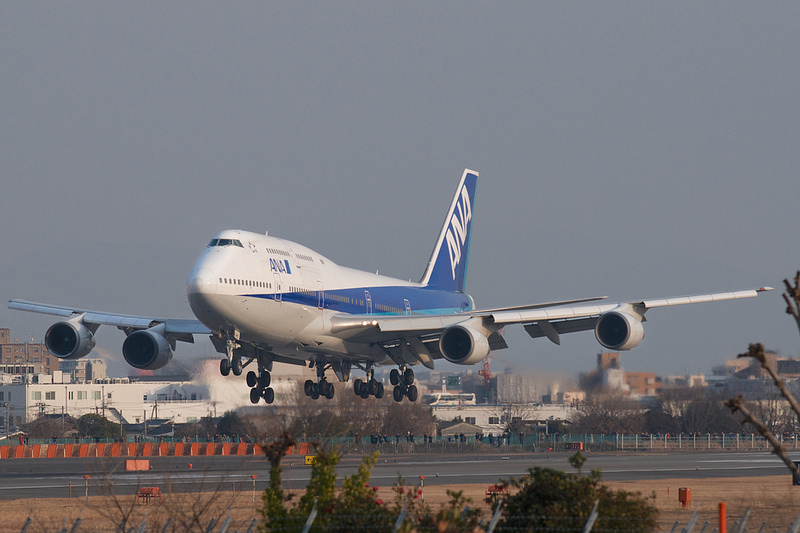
[626, 149]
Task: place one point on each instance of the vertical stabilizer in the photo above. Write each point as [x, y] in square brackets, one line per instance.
[447, 267]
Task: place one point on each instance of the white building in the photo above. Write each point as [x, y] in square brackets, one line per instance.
[495, 418]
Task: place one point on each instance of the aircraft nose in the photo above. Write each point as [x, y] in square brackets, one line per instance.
[202, 282]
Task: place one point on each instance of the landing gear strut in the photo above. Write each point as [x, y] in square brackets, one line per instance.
[321, 387]
[234, 358]
[403, 380]
[370, 387]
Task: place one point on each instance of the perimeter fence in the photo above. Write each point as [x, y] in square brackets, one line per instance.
[394, 444]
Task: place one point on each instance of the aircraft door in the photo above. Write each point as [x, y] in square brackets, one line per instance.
[276, 281]
[407, 306]
[320, 295]
[368, 302]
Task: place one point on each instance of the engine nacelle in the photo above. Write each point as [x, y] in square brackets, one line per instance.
[147, 349]
[463, 345]
[619, 331]
[69, 340]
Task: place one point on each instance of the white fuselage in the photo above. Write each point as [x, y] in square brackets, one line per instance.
[282, 295]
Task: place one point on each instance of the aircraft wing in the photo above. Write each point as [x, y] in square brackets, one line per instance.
[175, 328]
[420, 333]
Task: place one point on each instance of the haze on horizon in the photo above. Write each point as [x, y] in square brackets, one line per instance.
[628, 150]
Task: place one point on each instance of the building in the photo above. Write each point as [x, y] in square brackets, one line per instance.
[21, 358]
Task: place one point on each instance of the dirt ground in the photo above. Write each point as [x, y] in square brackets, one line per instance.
[772, 501]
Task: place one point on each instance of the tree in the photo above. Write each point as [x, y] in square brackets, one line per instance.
[608, 414]
[97, 426]
[549, 500]
[233, 425]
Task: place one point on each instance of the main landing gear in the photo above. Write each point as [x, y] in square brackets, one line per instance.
[403, 381]
[370, 387]
[259, 385]
[321, 387]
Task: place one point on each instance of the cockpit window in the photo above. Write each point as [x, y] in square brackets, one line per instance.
[226, 242]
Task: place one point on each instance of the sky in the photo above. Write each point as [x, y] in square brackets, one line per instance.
[625, 149]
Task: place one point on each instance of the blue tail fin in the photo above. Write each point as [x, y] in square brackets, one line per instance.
[447, 267]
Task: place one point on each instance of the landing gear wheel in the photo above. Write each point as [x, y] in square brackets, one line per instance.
[357, 384]
[408, 376]
[264, 380]
[224, 367]
[252, 379]
[379, 390]
[397, 393]
[236, 365]
[255, 395]
[269, 395]
[394, 377]
[314, 391]
[328, 390]
[308, 387]
[373, 386]
[412, 393]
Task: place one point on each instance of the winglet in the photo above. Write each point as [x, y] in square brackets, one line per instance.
[447, 267]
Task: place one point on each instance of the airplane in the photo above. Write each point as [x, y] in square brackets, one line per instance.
[265, 300]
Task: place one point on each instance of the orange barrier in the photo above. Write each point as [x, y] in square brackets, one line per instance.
[303, 448]
[148, 494]
[146, 449]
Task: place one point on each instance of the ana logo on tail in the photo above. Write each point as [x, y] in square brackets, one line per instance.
[456, 234]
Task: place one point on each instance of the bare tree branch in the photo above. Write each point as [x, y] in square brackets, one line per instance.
[792, 298]
[737, 404]
[756, 351]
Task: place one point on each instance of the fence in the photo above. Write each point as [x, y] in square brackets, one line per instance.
[459, 444]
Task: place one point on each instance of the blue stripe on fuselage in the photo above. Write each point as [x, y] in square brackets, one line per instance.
[385, 300]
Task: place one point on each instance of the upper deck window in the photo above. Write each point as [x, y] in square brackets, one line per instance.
[226, 242]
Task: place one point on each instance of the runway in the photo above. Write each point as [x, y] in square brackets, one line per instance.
[62, 478]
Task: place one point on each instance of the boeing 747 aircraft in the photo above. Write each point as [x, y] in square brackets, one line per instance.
[265, 300]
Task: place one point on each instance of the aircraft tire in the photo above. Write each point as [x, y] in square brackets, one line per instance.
[236, 366]
[264, 380]
[269, 395]
[314, 391]
[412, 393]
[394, 377]
[408, 376]
[252, 379]
[373, 386]
[379, 390]
[329, 391]
[308, 387]
[357, 384]
[397, 393]
[224, 367]
[255, 395]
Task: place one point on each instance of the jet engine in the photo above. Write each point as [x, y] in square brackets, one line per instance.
[463, 345]
[69, 340]
[147, 349]
[619, 331]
